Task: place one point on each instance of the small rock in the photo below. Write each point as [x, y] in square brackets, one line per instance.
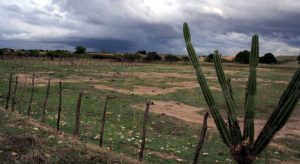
[14, 153]
[51, 136]
[97, 137]
[205, 154]
[36, 128]
[179, 160]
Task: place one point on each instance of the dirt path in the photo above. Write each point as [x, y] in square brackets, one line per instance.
[41, 79]
[191, 114]
[177, 110]
[146, 90]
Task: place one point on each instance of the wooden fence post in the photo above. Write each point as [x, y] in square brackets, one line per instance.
[9, 90]
[103, 122]
[201, 140]
[45, 102]
[23, 95]
[77, 116]
[141, 152]
[31, 96]
[59, 107]
[14, 95]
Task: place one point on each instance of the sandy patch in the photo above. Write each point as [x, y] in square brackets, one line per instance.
[178, 110]
[41, 80]
[146, 90]
[144, 75]
[191, 114]
[259, 80]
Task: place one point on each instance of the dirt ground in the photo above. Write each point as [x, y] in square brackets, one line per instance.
[192, 114]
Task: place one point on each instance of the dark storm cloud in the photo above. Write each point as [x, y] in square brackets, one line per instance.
[154, 25]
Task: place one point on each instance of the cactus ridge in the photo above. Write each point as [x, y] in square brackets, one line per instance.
[243, 147]
[220, 123]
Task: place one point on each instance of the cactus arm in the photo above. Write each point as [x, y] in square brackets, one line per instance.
[220, 123]
[280, 115]
[251, 90]
[230, 103]
[228, 80]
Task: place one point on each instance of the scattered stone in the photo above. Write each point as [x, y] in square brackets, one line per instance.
[97, 137]
[51, 136]
[179, 160]
[14, 153]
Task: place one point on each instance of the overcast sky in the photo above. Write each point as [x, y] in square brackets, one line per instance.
[153, 25]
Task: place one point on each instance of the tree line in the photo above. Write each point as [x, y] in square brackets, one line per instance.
[140, 56]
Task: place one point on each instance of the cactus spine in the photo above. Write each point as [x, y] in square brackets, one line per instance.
[243, 148]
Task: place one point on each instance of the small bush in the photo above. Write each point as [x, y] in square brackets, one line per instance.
[242, 57]
[131, 57]
[152, 56]
[268, 58]
[185, 58]
[209, 58]
[80, 50]
[171, 58]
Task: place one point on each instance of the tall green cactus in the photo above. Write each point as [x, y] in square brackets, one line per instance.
[243, 148]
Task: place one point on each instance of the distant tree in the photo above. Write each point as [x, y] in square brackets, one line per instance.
[171, 58]
[185, 58]
[80, 50]
[242, 57]
[1, 53]
[268, 58]
[117, 57]
[32, 53]
[143, 52]
[152, 56]
[131, 57]
[209, 58]
[58, 54]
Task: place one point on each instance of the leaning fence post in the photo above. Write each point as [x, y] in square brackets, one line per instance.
[14, 95]
[45, 102]
[201, 140]
[31, 96]
[8, 93]
[59, 107]
[103, 122]
[141, 152]
[77, 116]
